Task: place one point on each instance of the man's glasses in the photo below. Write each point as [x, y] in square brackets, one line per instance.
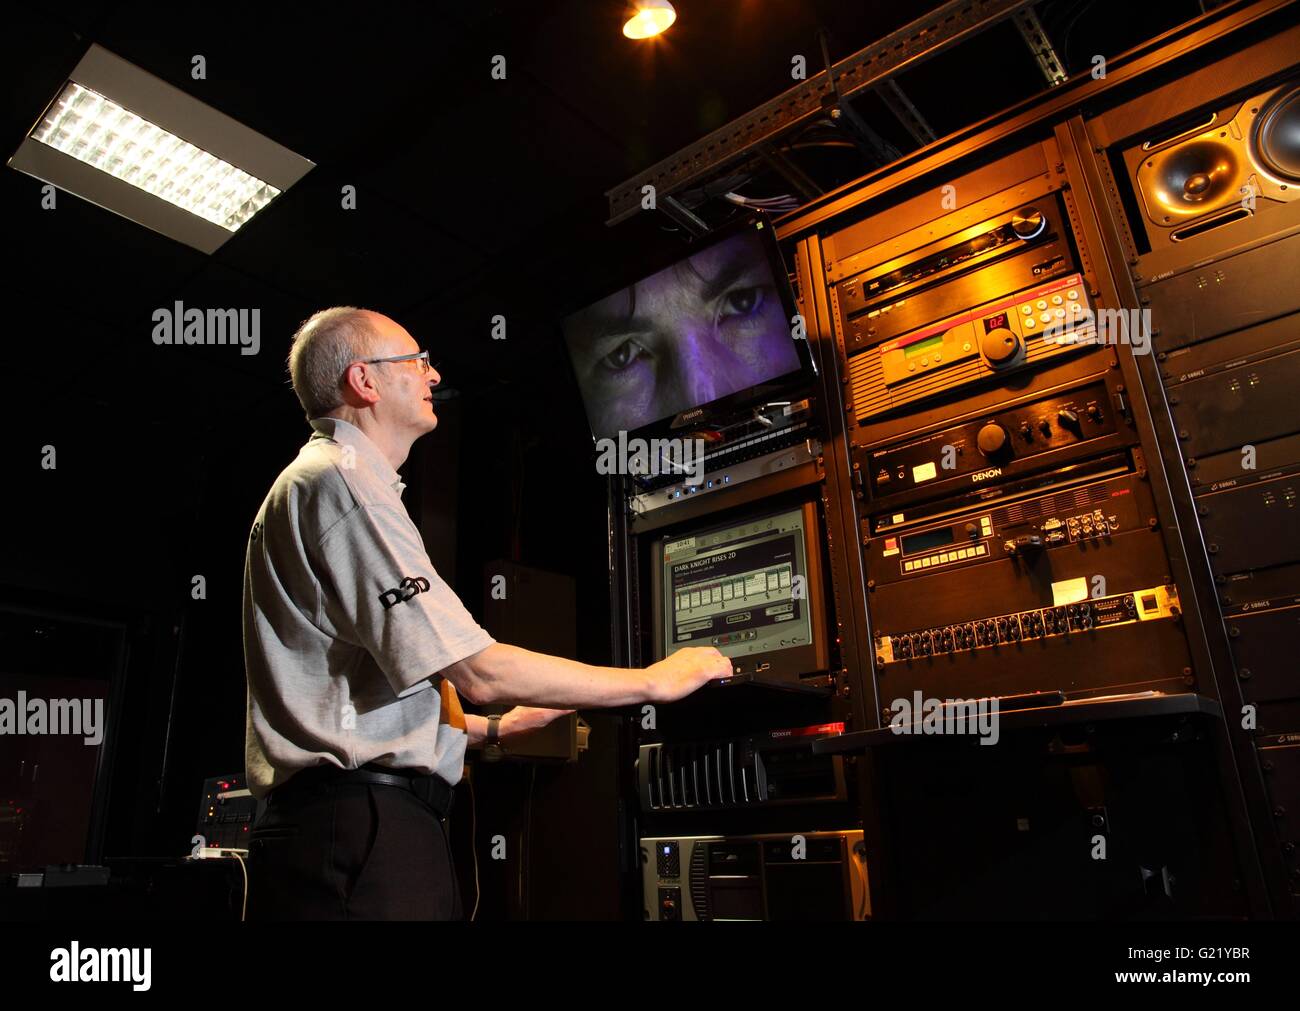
[422, 357]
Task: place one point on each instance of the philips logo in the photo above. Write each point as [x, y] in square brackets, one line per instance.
[984, 475]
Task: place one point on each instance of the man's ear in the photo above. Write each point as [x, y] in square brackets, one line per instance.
[359, 384]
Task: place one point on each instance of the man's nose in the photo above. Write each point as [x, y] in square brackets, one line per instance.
[702, 385]
[702, 366]
[433, 377]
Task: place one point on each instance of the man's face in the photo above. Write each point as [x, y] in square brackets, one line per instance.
[698, 331]
[406, 390]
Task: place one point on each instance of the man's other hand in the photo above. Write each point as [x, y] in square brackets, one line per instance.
[522, 719]
[686, 670]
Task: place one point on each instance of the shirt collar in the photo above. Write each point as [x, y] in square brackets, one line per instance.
[347, 434]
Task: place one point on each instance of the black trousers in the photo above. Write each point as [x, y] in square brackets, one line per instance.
[350, 851]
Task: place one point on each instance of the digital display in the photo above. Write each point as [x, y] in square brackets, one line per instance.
[710, 326]
[998, 322]
[915, 543]
[921, 347]
[742, 588]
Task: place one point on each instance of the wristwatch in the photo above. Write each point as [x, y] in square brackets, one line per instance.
[492, 750]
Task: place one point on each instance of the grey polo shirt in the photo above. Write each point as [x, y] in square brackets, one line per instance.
[346, 623]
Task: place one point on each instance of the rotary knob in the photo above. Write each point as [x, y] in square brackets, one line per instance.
[1027, 222]
[999, 346]
[992, 439]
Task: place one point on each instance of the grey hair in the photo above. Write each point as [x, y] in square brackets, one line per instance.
[324, 346]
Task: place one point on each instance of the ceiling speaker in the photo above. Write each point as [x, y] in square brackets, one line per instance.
[1225, 166]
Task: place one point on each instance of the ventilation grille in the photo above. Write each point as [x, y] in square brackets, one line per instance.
[699, 881]
[693, 776]
[871, 396]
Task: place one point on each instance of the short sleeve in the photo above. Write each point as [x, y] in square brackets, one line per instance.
[381, 591]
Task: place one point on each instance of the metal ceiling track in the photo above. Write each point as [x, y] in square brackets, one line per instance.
[870, 68]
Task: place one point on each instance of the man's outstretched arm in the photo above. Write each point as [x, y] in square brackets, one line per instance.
[509, 674]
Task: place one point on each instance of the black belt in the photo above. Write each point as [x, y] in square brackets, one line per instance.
[433, 790]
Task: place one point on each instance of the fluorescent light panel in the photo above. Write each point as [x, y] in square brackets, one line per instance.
[135, 145]
[91, 128]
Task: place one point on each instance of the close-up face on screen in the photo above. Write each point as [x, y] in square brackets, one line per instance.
[702, 329]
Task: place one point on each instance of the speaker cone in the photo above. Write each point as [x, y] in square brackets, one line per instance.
[1192, 178]
[1276, 138]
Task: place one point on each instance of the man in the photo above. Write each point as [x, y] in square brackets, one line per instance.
[703, 329]
[355, 651]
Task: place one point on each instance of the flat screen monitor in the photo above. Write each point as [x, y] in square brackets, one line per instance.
[751, 588]
[711, 332]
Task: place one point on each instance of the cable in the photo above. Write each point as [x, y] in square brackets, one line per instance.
[784, 198]
[243, 911]
[798, 145]
[785, 202]
[473, 845]
[526, 831]
[1069, 30]
[858, 860]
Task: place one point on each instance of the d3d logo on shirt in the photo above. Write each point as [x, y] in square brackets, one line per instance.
[408, 588]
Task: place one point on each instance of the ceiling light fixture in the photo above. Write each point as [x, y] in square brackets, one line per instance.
[92, 129]
[650, 18]
[135, 145]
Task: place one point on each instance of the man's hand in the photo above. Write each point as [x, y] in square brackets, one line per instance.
[522, 719]
[686, 670]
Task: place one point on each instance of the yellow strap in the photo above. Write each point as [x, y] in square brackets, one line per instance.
[451, 714]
